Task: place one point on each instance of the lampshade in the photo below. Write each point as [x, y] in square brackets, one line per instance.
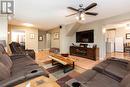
[3, 42]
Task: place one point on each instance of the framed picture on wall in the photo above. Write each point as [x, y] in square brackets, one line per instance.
[40, 38]
[32, 36]
[127, 35]
[56, 35]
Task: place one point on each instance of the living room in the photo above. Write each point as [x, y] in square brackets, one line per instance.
[69, 40]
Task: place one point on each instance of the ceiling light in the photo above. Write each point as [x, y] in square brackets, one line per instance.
[28, 24]
[80, 17]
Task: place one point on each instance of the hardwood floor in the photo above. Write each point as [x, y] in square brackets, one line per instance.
[119, 55]
[42, 56]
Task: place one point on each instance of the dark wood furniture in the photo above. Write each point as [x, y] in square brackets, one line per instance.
[89, 53]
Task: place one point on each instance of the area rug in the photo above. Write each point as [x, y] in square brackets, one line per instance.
[57, 72]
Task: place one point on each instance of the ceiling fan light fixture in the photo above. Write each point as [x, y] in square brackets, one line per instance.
[82, 12]
[80, 17]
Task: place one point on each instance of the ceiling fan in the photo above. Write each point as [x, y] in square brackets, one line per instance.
[83, 11]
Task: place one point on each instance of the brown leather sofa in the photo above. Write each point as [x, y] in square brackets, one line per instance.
[109, 73]
[16, 69]
[114, 68]
[16, 48]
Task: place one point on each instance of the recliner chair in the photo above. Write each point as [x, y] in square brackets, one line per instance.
[16, 49]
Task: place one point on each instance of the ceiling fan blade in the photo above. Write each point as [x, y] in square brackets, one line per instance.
[71, 8]
[71, 15]
[91, 13]
[90, 6]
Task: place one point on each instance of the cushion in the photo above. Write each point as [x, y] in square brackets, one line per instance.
[128, 67]
[2, 48]
[86, 76]
[117, 70]
[101, 66]
[91, 78]
[101, 80]
[1, 54]
[5, 59]
[126, 81]
[119, 60]
[4, 72]
[113, 68]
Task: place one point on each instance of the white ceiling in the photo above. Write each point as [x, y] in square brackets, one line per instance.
[118, 25]
[46, 14]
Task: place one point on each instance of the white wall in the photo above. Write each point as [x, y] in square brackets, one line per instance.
[65, 40]
[3, 27]
[121, 32]
[55, 43]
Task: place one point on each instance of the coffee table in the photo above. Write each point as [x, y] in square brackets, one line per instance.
[67, 63]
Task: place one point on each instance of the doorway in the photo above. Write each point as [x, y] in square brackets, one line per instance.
[48, 41]
[19, 37]
[116, 41]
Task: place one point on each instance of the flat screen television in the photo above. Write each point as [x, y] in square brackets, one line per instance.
[85, 36]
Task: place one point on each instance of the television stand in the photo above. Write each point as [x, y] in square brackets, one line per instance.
[88, 53]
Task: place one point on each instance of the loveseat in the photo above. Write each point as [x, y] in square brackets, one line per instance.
[16, 48]
[16, 69]
[112, 72]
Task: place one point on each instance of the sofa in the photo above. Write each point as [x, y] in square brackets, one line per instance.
[16, 48]
[112, 72]
[17, 69]
[114, 68]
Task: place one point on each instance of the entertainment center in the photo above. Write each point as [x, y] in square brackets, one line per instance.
[84, 50]
[89, 53]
